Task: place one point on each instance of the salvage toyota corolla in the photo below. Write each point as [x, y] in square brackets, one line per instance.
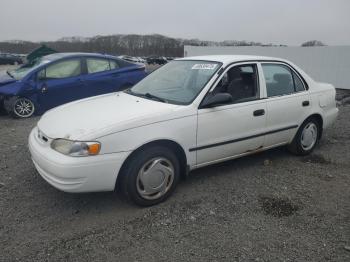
[188, 114]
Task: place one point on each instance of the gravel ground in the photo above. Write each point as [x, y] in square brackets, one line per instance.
[268, 207]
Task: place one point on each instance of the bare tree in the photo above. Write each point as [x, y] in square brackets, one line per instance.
[313, 43]
[134, 45]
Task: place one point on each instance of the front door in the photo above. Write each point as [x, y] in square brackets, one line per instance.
[238, 127]
[60, 83]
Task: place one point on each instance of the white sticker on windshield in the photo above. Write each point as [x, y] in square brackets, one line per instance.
[204, 66]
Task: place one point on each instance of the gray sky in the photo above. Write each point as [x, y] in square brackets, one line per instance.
[288, 22]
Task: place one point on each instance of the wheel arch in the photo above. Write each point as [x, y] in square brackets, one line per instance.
[172, 145]
[10, 100]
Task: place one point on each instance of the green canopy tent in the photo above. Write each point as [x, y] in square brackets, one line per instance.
[41, 51]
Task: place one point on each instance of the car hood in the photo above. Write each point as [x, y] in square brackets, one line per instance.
[99, 116]
[5, 78]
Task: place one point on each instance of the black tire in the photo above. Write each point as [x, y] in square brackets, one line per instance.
[130, 173]
[11, 103]
[297, 147]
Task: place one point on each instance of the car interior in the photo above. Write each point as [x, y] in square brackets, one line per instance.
[279, 80]
[240, 82]
[281, 84]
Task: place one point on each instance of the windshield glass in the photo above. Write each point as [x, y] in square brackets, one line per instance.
[178, 82]
[22, 71]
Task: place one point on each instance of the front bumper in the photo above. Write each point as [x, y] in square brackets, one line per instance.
[75, 174]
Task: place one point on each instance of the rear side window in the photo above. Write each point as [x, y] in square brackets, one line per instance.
[299, 85]
[122, 63]
[113, 64]
[95, 65]
[279, 80]
[64, 69]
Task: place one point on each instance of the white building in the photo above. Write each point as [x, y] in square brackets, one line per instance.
[330, 64]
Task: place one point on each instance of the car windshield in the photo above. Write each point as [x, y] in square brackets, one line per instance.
[178, 82]
[22, 71]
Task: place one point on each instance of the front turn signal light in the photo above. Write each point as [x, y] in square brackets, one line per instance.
[94, 149]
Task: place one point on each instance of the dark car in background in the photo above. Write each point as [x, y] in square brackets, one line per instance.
[132, 59]
[60, 78]
[9, 59]
[159, 60]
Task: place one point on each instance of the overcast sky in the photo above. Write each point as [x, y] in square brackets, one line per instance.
[288, 22]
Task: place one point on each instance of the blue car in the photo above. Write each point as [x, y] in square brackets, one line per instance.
[60, 78]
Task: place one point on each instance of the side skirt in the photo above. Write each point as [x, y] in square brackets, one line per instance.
[237, 156]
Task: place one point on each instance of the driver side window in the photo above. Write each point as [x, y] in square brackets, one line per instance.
[241, 82]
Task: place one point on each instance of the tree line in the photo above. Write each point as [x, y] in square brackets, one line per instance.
[133, 45]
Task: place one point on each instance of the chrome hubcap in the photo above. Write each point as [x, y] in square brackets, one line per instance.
[309, 136]
[24, 107]
[155, 178]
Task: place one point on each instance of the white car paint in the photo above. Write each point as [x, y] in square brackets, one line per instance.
[122, 123]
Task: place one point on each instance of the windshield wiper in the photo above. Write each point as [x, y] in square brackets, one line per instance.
[9, 73]
[148, 95]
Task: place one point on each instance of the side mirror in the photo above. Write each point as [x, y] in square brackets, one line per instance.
[217, 99]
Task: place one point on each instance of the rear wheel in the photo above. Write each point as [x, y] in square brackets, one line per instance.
[306, 138]
[150, 176]
[19, 107]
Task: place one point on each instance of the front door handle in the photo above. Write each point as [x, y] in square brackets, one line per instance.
[259, 112]
[306, 103]
[44, 88]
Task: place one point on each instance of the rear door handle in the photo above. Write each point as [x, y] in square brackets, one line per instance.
[306, 103]
[80, 82]
[259, 112]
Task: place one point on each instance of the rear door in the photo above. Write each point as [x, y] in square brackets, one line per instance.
[60, 82]
[288, 102]
[103, 76]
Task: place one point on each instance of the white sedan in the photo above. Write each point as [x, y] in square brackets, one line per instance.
[188, 114]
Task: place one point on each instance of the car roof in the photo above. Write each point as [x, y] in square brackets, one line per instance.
[56, 56]
[227, 59]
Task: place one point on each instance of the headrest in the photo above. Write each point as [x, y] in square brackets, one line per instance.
[234, 73]
[247, 75]
[282, 78]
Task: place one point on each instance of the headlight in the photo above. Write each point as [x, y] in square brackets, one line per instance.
[76, 148]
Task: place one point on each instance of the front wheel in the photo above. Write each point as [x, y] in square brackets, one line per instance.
[19, 107]
[306, 138]
[150, 176]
